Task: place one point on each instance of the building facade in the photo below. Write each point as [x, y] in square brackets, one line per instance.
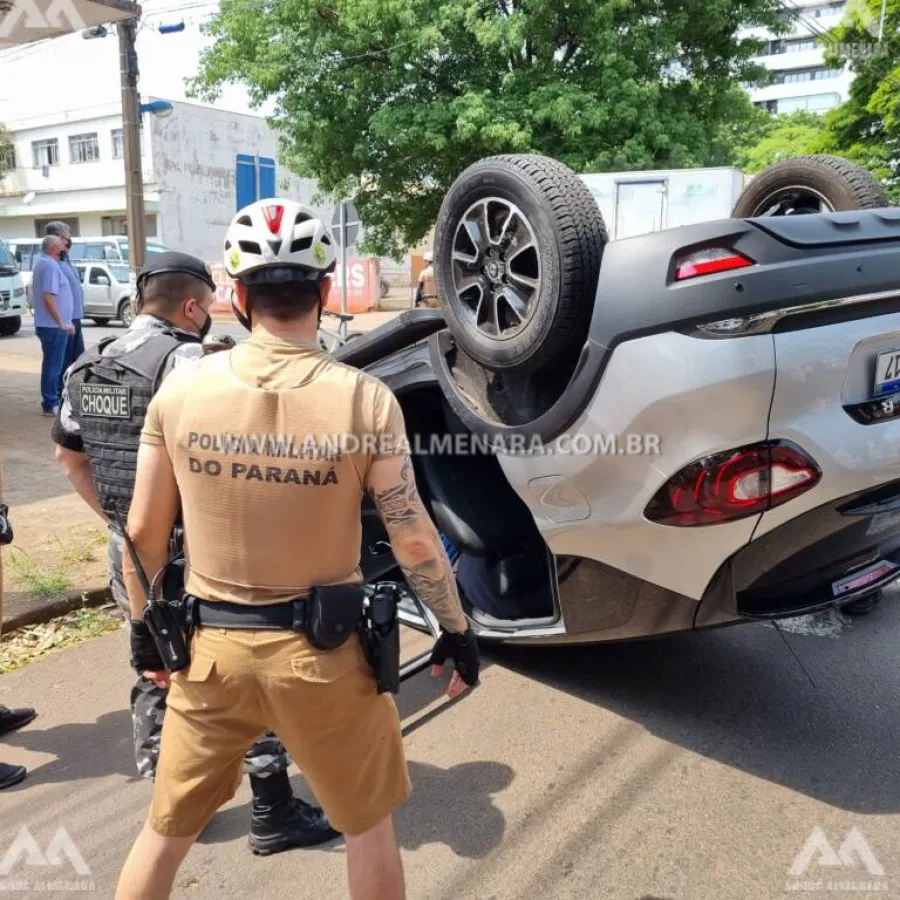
[801, 79]
[199, 166]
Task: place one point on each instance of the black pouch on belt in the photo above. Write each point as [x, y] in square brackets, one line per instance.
[332, 614]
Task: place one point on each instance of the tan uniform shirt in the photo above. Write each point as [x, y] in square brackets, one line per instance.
[429, 286]
[271, 444]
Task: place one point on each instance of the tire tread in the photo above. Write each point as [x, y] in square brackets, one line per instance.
[582, 235]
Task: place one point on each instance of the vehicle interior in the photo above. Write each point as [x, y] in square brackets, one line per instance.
[505, 570]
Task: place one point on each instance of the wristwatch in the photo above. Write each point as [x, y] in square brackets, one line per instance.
[6, 532]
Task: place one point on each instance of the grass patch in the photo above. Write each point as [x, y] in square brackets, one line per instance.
[84, 548]
[37, 641]
[49, 583]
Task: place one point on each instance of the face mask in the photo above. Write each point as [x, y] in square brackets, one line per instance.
[204, 328]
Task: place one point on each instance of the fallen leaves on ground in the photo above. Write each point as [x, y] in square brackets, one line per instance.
[36, 641]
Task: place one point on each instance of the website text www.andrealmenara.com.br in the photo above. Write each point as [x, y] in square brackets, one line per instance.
[334, 447]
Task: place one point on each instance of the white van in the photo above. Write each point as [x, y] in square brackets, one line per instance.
[12, 292]
[111, 249]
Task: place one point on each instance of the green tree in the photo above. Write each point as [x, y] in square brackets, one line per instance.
[388, 100]
[5, 149]
[866, 128]
[793, 134]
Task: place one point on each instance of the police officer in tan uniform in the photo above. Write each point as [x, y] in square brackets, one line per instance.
[426, 289]
[249, 447]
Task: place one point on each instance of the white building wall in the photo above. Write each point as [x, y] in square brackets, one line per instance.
[194, 166]
[83, 190]
[817, 94]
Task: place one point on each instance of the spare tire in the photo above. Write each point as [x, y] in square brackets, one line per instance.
[517, 251]
[810, 184]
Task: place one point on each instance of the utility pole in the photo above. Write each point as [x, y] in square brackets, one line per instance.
[131, 134]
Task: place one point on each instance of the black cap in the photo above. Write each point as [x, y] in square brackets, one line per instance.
[172, 261]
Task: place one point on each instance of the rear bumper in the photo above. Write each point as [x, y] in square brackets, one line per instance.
[798, 567]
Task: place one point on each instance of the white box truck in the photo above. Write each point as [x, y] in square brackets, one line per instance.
[636, 203]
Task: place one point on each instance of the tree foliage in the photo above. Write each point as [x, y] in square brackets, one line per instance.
[866, 128]
[388, 100]
[5, 148]
[780, 137]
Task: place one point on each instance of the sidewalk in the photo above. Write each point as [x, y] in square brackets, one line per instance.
[59, 550]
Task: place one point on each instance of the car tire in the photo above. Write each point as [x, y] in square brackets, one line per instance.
[795, 186]
[519, 298]
[10, 326]
[100, 322]
[126, 312]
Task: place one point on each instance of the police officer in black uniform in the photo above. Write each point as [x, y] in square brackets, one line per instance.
[105, 398]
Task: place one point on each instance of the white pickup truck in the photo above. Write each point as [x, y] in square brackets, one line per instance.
[108, 291]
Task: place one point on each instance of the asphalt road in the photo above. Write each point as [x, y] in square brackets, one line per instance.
[689, 768]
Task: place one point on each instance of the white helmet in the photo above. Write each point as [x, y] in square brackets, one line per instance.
[276, 241]
[277, 233]
[428, 256]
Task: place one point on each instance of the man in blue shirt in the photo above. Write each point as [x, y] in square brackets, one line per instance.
[75, 347]
[52, 319]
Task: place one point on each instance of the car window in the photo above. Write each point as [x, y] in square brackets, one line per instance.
[94, 251]
[120, 273]
[98, 275]
[80, 270]
[77, 251]
[7, 260]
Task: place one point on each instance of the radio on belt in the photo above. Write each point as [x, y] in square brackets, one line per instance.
[106, 401]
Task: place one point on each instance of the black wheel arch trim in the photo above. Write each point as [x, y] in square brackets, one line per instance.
[799, 262]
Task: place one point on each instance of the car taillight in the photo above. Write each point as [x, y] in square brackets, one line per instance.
[733, 485]
[709, 262]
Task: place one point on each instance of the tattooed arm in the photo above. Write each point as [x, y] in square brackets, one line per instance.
[414, 540]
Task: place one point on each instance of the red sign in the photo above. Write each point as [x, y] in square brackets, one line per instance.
[363, 288]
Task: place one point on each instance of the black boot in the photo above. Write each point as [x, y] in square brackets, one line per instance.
[281, 821]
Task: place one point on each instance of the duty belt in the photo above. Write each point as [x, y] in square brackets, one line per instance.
[288, 615]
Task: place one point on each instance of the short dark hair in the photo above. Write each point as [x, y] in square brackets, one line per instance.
[167, 291]
[287, 301]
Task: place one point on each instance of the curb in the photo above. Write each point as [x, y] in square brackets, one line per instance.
[69, 602]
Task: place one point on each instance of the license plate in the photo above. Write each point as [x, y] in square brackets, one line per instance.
[887, 373]
[858, 580]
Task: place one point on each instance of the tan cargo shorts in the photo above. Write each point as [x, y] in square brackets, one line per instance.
[324, 707]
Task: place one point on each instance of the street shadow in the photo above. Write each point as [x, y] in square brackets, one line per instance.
[428, 815]
[453, 807]
[82, 750]
[815, 713]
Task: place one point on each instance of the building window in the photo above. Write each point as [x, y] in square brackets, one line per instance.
[118, 144]
[118, 225]
[7, 158]
[45, 153]
[813, 103]
[797, 76]
[84, 148]
[41, 224]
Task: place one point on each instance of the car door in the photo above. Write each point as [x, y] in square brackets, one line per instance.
[98, 288]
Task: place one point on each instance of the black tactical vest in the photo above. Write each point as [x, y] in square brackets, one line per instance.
[109, 397]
